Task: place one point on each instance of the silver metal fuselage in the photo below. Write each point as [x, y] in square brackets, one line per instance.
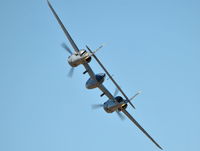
[94, 83]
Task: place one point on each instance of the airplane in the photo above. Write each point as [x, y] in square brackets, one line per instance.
[83, 57]
[115, 103]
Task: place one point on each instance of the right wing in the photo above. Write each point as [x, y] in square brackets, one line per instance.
[115, 83]
[140, 127]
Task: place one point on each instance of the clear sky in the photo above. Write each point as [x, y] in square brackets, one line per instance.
[152, 46]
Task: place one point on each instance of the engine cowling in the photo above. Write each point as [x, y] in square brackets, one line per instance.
[119, 99]
[79, 58]
[111, 106]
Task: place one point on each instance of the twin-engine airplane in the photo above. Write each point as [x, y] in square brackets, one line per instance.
[115, 103]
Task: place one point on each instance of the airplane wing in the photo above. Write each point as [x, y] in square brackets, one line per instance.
[140, 127]
[63, 28]
[86, 65]
[115, 83]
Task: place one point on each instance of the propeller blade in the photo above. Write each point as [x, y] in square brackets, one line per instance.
[96, 106]
[92, 53]
[71, 72]
[66, 48]
[116, 92]
[120, 115]
[135, 95]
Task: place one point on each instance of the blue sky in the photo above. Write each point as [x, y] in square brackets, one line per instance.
[152, 46]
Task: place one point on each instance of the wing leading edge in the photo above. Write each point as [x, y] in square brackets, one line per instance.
[141, 128]
[63, 28]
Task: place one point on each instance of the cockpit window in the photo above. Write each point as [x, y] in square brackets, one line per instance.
[119, 99]
[100, 77]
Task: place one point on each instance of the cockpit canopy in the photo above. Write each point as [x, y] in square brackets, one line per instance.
[99, 77]
[119, 99]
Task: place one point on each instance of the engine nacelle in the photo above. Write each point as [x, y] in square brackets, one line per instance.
[111, 106]
[94, 83]
[79, 58]
[120, 100]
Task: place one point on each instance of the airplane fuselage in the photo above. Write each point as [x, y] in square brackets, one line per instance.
[94, 83]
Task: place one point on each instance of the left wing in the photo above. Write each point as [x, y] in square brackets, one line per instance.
[63, 28]
[86, 65]
[140, 127]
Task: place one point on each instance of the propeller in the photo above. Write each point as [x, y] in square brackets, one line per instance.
[121, 116]
[96, 106]
[71, 71]
[66, 48]
[116, 92]
[135, 95]
[92, 53]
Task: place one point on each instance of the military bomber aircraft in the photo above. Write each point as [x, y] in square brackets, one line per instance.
[115, 103]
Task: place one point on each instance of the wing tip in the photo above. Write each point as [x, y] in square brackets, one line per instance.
[160, 147]
[48, 2]
[132, 105]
